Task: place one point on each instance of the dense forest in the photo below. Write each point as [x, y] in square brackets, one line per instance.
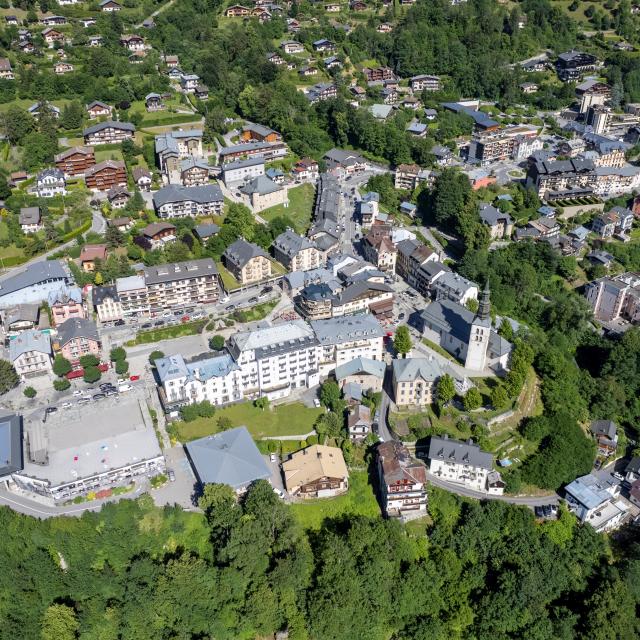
[484, 571]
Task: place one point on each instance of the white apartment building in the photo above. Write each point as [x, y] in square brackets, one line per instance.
[182, 283]
[596, 501]
[132, 293]
[30, 353]
[106, 303]
[175, 201]
[462, 463]
[270, 362]
[345, 339]
[50, 182]
[295, 252]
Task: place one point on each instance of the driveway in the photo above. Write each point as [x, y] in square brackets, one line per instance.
[182, 490]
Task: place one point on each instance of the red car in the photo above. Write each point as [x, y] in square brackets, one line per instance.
[184, 319]
[134, 378]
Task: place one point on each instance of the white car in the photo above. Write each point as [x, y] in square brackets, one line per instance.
[77, 392]
[279, 493]
[316, 403]
[66, 405]
[124, 387]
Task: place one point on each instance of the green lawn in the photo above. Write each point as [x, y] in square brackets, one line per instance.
[259, 312]
[438, 349]
[108, 154]
[10, 252]
[228, 280]
[300, 209]
[359, 500]
[166, 333]
[281, 420]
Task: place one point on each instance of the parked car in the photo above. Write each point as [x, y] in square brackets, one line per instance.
[158, 323]
[253, 300]
[185, 319]
[231, 307]
[111, 392]
[177, 313]
[51, 409]
[66, 405]
[166, 314]
[146, 325]
[124, 387]
[77, 392]
[98, 396]
[171, 475]
[134, 378]
[273, 457]
[316, 403]
[119, 323]
[84, 400]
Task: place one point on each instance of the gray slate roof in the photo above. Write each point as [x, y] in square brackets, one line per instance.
[30, 215]
[456, 319]
[410, 369]
[291, 243]
[459, 452]
[491, 215]
[77, 328]
[10, 444]
[29, 341]
[338, 330]
[43, 271]
[604, 428]
[260, 185]
[126, 126]
[366, 366]
[175, 193]
[230, 457]
[21, 313]
[180, 270]
[99, 294]
[204, 231]
[240, 252]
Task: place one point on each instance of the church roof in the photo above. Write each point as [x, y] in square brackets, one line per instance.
[455, 319]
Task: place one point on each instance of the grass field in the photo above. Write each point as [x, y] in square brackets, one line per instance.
[166, 333]
[228, 280]
[438, 349]
[282, 420]
[359, 500]
[253, 314]
[300, 209]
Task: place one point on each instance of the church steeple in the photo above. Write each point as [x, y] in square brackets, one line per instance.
[484, 308]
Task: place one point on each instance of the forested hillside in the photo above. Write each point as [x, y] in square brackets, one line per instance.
[487, 571]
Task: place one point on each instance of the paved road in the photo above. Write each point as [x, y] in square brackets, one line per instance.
[529, 501]
[156, 12]
[29, 507]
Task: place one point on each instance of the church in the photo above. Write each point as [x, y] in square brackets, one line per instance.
[469, 337]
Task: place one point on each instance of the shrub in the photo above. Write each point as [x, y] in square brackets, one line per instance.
[30, 392]
[61, 384]
[216, 343]
[122, 366]
[117, 353]
[89, 361]
[61, 366]
[155, 355]
[91, 374]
